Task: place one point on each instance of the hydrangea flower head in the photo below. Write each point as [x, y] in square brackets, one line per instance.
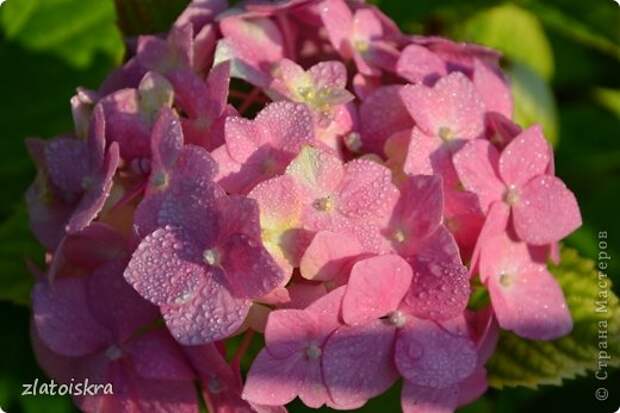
[304, 171]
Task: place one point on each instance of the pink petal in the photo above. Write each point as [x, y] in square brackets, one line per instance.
[67, 163]
[286, 125]
[167, 267]
[255, 41]
[422, 399]
[273, 381]
[338, 21]
[419, 153]
[428, 355]
[250, 270]
[476, 164]
[369, 296]
[495, 223]
[419, 210]
[62, 319]
[452, 104]
[212, 315]
[366, 192]
[155, 355]
[525, 296]
[94, 198]
[382, 114]
[316, 172]
[358, 362]
[493, 88]
[289, 332]
[546, 212]
[329, 256]
[242, 138]
[525, 157]
[417, 64]
[440, 286]
[166, 144]
[329, 75]
[327, 310]
[116, 305]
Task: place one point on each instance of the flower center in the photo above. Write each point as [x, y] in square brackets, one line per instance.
[397, 318]
[511, 196]
[87, 182]
[160, 179]
[353, 142]
[399, 236]
[446, 133]
[113, 352]
[325, 204]
[214, 385]
[361, 46]
[313, 352]
[505, 280]
[211, 257]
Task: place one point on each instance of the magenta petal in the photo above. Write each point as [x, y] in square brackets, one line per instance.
[428, 355]
[167, 267]
[358, 362]
[376, 287]
[493, 88]
[329, 256]
[440, 286]
[476, 165]
[63, 321]
[115, 304]
[289, 331]
[67, 163]
[273, 381]
[546, 212]
[367, 192]
[422, 399]
[94, 198]
[417, 64]
[250, 270]
[166, 143]
[525, 157]
[382, 114]
[452, 109]
[212, 315]
[155, 355]
[525, 296]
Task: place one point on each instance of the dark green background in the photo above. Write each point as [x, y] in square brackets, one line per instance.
[565, 54]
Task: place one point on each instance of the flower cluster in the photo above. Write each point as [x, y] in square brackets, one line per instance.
[304, 170]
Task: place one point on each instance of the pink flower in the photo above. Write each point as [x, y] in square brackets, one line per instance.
[204, 265]
[525, 296]
[74, 183]
[88, 327]
[261, 149]
[543, 209]
[358, 36]
[355, 198]
[290, 364]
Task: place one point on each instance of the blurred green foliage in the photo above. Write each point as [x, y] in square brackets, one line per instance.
[563, 57]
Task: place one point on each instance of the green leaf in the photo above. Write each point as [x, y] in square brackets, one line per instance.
[596, 313]
[147, 16]
[74, 30]
[593, 24]
[514, 31]
[609, 99]
[533, 100]
[17, 245]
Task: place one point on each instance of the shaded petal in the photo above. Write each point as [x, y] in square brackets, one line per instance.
[358, 362]
[289, 331]
[63, 321]
[427, 355]
[329, 256]
[417, 64]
